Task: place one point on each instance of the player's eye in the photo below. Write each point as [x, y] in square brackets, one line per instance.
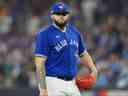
[63, 14]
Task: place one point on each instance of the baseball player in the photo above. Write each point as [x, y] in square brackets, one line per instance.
[59, 48]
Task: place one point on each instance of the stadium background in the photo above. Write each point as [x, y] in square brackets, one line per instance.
[103, 23]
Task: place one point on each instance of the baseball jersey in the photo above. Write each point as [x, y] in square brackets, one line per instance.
[62, 50]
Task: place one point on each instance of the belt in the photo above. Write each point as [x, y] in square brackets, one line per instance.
[65, 78]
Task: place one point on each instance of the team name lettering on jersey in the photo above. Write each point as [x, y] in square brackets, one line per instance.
[61, 44]
[74, 42]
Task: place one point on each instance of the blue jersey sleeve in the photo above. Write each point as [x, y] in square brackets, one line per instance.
[41, 45]
[82, 48]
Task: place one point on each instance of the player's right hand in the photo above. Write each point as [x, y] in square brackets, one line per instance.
[43, 92]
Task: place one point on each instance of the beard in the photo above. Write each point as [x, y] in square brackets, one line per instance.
[61, 25]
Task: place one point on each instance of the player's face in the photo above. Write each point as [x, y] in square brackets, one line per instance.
[60, 19]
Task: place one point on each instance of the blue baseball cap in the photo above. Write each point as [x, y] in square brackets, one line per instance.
[60, 7]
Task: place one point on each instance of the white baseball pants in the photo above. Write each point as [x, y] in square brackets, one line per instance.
[59, 87]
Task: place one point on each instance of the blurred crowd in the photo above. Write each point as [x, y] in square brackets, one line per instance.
[104, 30]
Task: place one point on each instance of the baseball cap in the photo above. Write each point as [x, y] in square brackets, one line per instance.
[59, 7]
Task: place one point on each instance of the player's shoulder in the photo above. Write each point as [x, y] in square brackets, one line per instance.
[74, 29]
[44, 30]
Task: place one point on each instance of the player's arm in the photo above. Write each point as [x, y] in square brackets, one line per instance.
[40, 69]
[85, 58]
[87, 61]
[41, 53]
[86, 82]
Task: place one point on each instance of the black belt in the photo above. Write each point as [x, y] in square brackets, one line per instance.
[65, 78]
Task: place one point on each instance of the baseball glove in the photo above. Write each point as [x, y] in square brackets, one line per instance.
[85, 82]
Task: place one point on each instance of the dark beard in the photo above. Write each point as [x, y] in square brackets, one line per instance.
[61, 26]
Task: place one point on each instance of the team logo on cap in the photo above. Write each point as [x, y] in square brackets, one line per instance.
[61, 7]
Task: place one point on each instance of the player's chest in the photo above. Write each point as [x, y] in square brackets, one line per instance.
[60, 41]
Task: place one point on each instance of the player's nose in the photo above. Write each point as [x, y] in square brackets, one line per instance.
[61, 17]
